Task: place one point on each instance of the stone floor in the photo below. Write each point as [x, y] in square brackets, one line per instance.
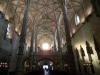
[54, 72]
[38, 72]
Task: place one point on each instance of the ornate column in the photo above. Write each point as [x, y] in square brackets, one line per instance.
[32, 50]
[31, 56]
[70, 60]
[58, 41]
[22, 41]
[55, 42]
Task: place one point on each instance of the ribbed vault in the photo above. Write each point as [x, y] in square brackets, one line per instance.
[43, 15]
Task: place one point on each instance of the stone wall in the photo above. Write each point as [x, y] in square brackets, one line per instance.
[85, 33]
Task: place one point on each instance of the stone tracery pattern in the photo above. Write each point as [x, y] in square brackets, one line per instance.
[43, 14]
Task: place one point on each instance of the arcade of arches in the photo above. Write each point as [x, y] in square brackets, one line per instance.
[51, 35]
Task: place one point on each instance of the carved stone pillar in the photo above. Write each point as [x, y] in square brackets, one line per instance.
[70, 60]
[22, 42]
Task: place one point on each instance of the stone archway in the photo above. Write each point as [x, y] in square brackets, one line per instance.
[46, 62]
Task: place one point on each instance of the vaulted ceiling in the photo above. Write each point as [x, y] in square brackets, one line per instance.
[43, 15]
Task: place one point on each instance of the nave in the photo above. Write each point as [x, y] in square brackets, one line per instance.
[65, 32]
